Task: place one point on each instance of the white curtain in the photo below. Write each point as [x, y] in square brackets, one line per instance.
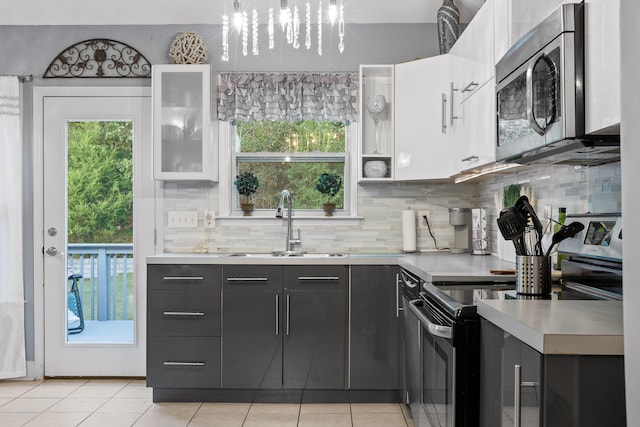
[12, 344]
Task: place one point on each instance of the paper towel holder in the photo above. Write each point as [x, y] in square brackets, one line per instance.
[409, 231]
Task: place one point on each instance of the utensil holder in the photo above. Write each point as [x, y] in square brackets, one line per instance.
[533, 275]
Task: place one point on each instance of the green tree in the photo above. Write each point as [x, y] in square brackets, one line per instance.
[100, 182]
[299, 178]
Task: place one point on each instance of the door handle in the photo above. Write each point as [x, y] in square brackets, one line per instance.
[53, 251]
[529, 88]
[434, 329]
[451, 116]
[288, 313]
[277, 314]
[444, 113]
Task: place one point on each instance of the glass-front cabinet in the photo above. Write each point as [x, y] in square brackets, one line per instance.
[376, 123]
[182, 140]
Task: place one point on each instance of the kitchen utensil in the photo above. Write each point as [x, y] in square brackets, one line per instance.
[565, 232]
[523, 205]
[512, 225]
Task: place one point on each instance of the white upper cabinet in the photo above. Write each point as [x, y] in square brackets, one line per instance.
[182, 140]
[602, 67]
[423, 149]
[476, 48]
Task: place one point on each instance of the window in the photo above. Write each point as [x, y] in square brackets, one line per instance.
[287, 129]
[291, 155]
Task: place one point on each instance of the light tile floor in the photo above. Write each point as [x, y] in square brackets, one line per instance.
[115, 403]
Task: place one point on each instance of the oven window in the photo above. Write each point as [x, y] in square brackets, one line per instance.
[513, 122]
[438, 366]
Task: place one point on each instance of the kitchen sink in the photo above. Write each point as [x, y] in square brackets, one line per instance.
[283, 254]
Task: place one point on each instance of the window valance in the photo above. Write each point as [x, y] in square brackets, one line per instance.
[287, 96]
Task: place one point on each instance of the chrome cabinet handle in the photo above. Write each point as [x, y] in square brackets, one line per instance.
[444, 113]
[451, 116]
[183, 278]
[517, 409]
[288, 313]
[435, 330]
[247, 279]
[183, 363]
[302, 278]
[277, 314]
[398, 308]
[183, 314]
[472, 158]
[471, 86]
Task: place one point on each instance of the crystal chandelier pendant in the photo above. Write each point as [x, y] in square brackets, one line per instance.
[245, 33]
[225, 38]
[270, 29]
[307, 35]
[296, 28]
[254, 32]
[320, 29]
[341, 28]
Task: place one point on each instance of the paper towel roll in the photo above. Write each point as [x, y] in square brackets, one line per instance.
[408, 230]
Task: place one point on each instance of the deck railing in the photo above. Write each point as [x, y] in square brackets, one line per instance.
[106, 289]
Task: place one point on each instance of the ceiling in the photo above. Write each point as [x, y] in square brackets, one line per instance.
[159, 12]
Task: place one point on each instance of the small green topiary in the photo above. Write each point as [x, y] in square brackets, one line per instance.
[329, 184]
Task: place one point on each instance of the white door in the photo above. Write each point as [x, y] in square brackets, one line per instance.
[107, 337]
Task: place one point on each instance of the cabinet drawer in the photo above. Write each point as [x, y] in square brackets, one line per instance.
[194, 312]
[183, 276]
[183, 362]
[316, 277]
[254, 278]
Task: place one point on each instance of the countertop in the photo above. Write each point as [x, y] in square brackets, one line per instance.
[560, 327]
[443, 267]
[265, 259]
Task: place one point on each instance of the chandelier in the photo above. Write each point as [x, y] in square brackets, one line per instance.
[290, 25]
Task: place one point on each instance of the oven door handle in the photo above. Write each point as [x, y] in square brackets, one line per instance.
[529, 88]
[434, 329]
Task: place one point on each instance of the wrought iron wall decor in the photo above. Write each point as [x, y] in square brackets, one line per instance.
[99, 58]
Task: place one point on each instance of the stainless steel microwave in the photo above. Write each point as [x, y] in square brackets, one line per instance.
[540, 96]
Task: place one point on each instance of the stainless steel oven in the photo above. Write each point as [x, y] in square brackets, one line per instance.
[449, 360]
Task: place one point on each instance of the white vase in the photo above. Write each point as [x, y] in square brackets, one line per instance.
[375, 169]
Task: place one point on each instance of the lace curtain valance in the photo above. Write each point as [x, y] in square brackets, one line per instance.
[287, 96]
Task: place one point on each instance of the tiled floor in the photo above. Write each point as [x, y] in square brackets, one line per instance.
[115, 403]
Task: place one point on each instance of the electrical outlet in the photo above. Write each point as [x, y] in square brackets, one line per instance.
[209, 219]
[182, 219]
[421, 221]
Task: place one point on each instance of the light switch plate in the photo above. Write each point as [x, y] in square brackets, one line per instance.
[182, 219]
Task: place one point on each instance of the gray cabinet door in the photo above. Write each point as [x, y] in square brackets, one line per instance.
[374, 328]
[314, 330]
[252, 327]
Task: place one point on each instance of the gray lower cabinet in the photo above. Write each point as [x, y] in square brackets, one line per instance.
[375, 323]
[252, 307]
[551, 390]
[183, 326]
[284, 327]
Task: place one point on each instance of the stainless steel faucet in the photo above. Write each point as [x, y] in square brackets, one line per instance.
[291, 242]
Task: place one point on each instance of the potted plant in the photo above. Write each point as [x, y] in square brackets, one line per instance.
[247, 184]
[329, 184]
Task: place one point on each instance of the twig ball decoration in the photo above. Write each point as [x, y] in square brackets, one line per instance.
[188, 48]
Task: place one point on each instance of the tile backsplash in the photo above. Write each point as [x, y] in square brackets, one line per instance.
[379, 229]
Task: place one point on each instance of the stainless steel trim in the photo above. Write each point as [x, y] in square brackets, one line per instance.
[444, 113]
[183, 278]
[530, 115]
[435, 330]
[288, 313]
[318, 278]
[277, 314]
[183, 363]
[247, 279]
[183, 314]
